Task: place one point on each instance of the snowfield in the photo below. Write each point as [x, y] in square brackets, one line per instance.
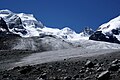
[91, 44]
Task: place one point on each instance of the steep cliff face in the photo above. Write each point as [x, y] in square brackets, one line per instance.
[3, 26]
[7, 38]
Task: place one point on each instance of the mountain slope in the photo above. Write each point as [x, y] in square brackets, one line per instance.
[109, 32]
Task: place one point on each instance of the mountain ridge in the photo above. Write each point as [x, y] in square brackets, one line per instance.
[109, 32]
[26, 25]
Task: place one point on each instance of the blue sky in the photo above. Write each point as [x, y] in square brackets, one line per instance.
[76, 14]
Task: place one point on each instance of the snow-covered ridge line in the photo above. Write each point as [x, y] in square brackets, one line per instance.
[109, 32]
[26, 25]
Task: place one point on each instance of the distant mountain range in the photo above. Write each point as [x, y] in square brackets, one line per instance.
[23, 31]
[25, 25]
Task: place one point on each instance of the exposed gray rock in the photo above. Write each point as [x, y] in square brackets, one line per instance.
[99, 36]
[89, 64]
[104, 75]
[115, 61]
[113, 67]
[43, 76]
[99, 69]
[68, 78]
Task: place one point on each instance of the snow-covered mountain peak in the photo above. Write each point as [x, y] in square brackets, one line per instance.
[87, 32]
[65, 33]
[5, 10]
[22, 24]
[30, 21]
[111, 28]
[115, 19]
[68, 34]
[26, 25]
[109, 32]
[24, 16]
[4, 13]
[67, 30]
[112, 24]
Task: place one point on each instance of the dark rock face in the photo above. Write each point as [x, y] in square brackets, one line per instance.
[6, 37]
[115, 31]
[16, 24]
[99, 36]
[7, 41]
[13, 22]
[88, 31]
[3, 25]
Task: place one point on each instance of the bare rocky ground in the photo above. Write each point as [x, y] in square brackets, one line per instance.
[9, 56]
[97, 67]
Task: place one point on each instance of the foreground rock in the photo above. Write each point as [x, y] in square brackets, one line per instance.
[104, 75]
[89, 64]
[69, 69]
